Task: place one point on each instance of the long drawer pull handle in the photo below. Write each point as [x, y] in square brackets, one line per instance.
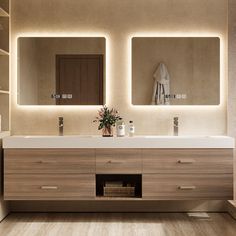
[49, 187]
[187, 187]
[186, 161]
[46, 162]
[115, 162]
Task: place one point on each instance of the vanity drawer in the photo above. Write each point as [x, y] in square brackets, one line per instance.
[49, 187]
[118, 161]
[49, 161]
[187, 187]
[187, 160]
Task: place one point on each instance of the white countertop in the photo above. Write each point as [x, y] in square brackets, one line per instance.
[83, 141]
[4, 134]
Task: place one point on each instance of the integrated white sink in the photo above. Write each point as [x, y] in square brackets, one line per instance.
[53, 136]
[91, 141]
[177, 137]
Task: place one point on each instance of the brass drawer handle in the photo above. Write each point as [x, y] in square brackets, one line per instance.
[189, 161]
[115, 162]
[49, 187]
[187, 187]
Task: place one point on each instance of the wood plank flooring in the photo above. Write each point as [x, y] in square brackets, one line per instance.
[115, 224]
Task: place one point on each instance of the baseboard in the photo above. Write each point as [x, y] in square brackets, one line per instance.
[118, 206]
[231, 208]
[4, 209]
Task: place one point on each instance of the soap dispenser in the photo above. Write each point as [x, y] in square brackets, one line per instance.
[131, 128]
[120, 128]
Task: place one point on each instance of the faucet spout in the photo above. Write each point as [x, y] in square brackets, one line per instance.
[176, 126]
[61, 126]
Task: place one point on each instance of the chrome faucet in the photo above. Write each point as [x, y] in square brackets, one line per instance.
[61, 126]
[176, 126]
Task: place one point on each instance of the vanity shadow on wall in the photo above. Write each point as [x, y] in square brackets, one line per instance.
[61, 71]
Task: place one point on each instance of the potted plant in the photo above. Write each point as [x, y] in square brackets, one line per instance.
[107, 119]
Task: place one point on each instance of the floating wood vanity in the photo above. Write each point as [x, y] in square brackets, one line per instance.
[35, 171]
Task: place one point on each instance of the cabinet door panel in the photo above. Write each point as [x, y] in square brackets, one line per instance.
[118, 161]
[32, 161]
[49, 187]
[187, 161]
[188, 187]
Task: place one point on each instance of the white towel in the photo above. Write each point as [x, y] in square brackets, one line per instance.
[161, 88]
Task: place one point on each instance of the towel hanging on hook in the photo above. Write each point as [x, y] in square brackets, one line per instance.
[161, 87]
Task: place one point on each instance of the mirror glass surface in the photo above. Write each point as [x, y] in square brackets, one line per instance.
[176, 71]
[61, 71]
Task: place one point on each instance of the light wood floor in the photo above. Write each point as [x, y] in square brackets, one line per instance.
[96, 224]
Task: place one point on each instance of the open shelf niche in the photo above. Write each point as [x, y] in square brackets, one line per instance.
[117, 186]
[4, 64]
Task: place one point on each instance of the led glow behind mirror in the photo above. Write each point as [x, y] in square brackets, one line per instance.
[61, 71]
[175, 71]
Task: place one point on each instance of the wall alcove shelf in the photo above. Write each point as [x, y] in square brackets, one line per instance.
[4, 92]
[3, 52]
[3, 12]
[4, 64]
[4, 8]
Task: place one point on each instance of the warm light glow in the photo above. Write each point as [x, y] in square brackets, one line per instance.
[128, 85]
[61, 107]
[178, 107]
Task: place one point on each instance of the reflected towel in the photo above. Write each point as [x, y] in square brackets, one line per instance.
[161, 87]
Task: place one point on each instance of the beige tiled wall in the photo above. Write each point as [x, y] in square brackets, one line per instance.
[232, 76]
[118, 21]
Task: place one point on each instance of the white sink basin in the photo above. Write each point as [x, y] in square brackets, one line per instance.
[91, 141]
[178, 137]
[56, 137]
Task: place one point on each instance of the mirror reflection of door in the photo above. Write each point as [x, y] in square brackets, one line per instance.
[80, 76]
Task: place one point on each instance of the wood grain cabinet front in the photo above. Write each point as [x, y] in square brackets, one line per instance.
[49, 174]
[190, 161]
[32, 161]
[188, 186]
[70, 174]
[118, 161]
[188, 174]
[49, 187]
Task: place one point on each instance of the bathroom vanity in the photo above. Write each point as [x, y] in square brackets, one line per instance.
[75, 167]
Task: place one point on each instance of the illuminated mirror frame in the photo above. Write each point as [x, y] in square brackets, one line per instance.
[128, 84]
[176, 107]
[64, 107]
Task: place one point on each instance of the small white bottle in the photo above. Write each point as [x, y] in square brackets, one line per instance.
[131, 129]
[120, 128]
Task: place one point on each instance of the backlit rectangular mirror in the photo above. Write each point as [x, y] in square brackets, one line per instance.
[175, 71]
[61, 71]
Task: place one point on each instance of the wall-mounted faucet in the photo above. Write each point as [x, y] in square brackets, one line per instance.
[61, 126]
[176, 126]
